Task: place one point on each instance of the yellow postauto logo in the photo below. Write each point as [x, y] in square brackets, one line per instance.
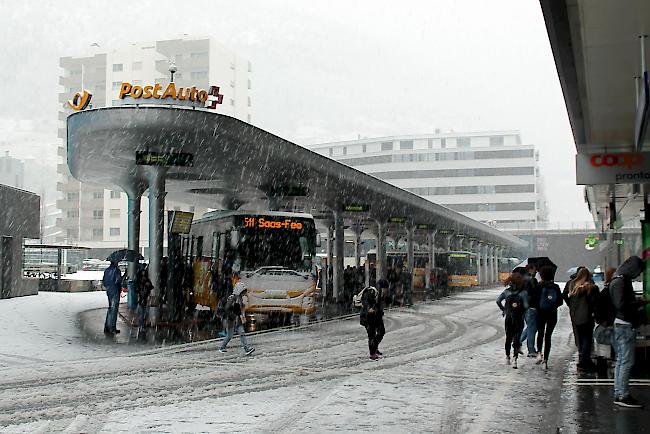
[182, 93]
[80, 100]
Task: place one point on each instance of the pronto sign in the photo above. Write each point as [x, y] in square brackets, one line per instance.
[613, 168]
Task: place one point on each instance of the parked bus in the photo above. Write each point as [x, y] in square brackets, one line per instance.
[462, 268]
[506, 265]
[398, 258]
[273, 252]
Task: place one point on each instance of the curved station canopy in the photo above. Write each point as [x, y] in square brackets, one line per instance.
[217, 161]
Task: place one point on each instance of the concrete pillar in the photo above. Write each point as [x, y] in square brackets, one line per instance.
[156, 181]
[476, 247]
[358, 228]
[134, 199]
[381, 250]
[497, 257]
[339, 252]
[410, 256]
[432, 257]
[329, 271]
[490, 264]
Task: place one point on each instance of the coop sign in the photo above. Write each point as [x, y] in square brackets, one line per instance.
[210, 97]
[265, 223]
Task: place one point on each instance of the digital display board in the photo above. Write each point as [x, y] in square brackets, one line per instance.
[271, 223]
[356, 207]
[181, 222]
[166, 159]
[397, 220]
[423, 226]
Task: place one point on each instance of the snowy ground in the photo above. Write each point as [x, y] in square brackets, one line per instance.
[443, 371]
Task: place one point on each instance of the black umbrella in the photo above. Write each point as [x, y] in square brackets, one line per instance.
[538, 262]
[125, 255]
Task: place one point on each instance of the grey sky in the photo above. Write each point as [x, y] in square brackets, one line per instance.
[332, 69]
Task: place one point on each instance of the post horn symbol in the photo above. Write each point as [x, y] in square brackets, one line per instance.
[80, 101]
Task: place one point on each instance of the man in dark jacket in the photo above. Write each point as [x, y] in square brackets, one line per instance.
[625, 323]
[113, 283]
[372, 318]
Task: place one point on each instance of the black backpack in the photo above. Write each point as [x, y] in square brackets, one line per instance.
[604, 310]
[233, 308]
[514, 305]
[548, 298]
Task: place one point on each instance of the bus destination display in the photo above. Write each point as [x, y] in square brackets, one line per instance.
[266, 223]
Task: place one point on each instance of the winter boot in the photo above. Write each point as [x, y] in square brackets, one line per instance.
[514, 363]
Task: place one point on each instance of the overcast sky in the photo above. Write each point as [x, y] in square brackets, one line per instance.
[325, 70]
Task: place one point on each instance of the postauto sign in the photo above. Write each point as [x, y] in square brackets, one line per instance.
[613, 168]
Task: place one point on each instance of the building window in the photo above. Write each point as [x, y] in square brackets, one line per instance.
[117, 85]
[199, 75]
[249, 83]
[114, 212]
[232, 102]
[386, 146]
[248, 117]
[430, 143]
[116, 194]
[250, 67]
[98, 214]
[98, 233]
[463, 142]
[118, 67]
[72, 213]
[443, 143]
[114, 232]
[496, 141]
[363, 148]
[232, 83]
[406, 144]
[98, 195]
[249, 101]
[331, 152]
[71, 197]
[75, 72]
[344, 150]
[232, 65]
[137, 66]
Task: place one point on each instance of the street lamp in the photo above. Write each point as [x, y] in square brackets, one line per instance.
[172, 69]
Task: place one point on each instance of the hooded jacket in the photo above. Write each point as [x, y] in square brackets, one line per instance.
[622, 293]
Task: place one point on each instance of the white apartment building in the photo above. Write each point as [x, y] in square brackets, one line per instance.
[489, 176]
[96, 217]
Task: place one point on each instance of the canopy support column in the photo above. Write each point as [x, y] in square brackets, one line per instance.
[156, 181]
[381, 250]
[339, 252]
[330, 261]
[134, 203]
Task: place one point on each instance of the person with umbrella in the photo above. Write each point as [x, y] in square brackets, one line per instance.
[113, 283]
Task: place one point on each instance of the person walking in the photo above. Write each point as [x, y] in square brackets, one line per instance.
[235, 317]
[112, 281]
[143, 290]
[565, 295]
[372, 318]
[532, 291]
[514, 297]
[581, 299]
[548, 298]
[627, 318]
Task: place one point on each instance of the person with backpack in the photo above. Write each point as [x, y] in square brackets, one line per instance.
[581, 300]
[515, 302]
[235, 317]
[629, 314]
[548, 300]
[372, 318]
[604, 314]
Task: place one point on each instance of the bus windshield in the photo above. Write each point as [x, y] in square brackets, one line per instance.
[260, 247]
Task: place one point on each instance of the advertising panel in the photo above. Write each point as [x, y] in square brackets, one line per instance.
[613, 168]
